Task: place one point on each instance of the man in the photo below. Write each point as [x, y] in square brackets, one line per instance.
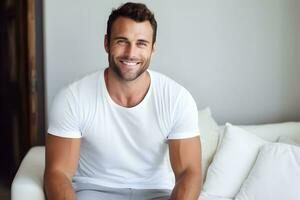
[124, 132]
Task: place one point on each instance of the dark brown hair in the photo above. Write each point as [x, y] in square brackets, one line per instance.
[135, 11]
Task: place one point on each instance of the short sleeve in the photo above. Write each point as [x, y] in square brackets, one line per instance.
[64, 116]
[185, 117]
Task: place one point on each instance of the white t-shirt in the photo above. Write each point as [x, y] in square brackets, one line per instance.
[124, 147]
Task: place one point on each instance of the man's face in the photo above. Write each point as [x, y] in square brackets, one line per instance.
[130, 48]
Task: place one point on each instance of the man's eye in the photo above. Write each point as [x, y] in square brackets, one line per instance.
[141, 44]
[121, 42]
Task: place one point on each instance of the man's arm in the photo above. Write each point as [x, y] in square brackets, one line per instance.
[62, 155]
[185, 156]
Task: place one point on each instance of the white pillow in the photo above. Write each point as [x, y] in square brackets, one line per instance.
[209, 134]
[204, 196]
[290, 140]
[232, 162]
[275, 175]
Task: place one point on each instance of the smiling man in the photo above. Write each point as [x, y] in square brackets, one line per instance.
[124, 132]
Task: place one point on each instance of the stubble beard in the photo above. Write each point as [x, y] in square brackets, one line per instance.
[122, 76]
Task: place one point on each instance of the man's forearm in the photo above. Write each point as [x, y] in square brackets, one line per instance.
[58, 187]
[188, 187]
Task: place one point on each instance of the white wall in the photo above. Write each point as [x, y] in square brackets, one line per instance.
[240, 57]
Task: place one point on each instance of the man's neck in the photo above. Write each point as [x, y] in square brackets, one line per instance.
[127, 93]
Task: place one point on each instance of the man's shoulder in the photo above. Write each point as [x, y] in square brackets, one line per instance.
[168, 90]
[84, 86]
[86, 79]
[163, 81]
[86, 83]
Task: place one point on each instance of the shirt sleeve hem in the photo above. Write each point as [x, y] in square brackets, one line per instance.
[64, 134]
[183, 135]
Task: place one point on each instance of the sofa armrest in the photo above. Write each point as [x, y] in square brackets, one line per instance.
[28, 182]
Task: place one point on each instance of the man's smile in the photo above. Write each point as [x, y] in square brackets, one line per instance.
[129, 63]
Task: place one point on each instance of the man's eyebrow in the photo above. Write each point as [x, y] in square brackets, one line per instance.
[145, 41]
[124, 38]
[120, 38]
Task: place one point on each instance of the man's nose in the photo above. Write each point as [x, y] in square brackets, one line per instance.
[130, 50]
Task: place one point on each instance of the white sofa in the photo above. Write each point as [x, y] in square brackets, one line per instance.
[28, 182]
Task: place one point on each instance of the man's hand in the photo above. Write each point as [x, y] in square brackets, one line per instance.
[62, 155]
[185, 156]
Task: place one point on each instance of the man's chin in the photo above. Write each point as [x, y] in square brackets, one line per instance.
[128, 73]
[131, 77]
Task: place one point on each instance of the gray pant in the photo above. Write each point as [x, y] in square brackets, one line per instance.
[96, 192]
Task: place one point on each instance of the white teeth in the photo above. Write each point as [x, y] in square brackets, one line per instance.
[129, 63]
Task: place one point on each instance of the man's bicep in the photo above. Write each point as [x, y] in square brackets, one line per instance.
[185, 154]
[62, 154]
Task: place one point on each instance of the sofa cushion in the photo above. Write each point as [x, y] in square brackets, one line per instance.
[205, 196]
[209, 134]
[275, 175]
[232, 162]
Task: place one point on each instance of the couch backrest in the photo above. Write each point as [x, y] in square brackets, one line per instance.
[211, 134]
[272, 132]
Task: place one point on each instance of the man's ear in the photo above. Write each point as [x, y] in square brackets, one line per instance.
[106, 44]
[153, 49]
